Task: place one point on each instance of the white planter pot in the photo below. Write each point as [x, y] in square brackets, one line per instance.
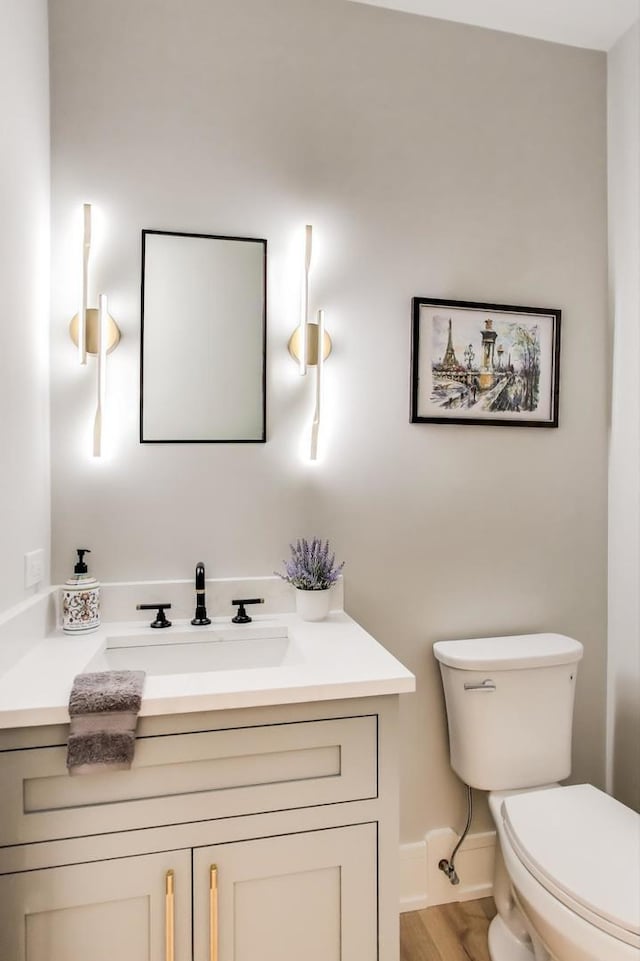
[312, 605]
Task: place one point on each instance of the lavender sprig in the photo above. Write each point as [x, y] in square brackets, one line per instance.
[311, 567]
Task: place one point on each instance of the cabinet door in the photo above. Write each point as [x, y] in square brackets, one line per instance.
[310, 896]
[104, 911]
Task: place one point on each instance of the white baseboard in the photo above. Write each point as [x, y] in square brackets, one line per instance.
[413, 876]
[423, 884]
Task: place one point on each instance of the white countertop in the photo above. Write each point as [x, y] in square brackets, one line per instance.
[334, 658]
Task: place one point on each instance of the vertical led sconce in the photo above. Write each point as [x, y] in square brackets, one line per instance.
[304, 315]
[102, 371]
[310, 345]
[86, 250]
[93, 331]
[315, 426]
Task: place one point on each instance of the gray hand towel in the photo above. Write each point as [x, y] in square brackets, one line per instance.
[112, 691]
[99, 752]
[104, 710]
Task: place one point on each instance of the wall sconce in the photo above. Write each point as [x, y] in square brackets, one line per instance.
[93, 331]
[310, 344]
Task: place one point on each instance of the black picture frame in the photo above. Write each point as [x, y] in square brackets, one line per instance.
[484, 364]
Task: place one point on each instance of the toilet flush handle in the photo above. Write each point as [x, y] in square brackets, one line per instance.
[486, 685]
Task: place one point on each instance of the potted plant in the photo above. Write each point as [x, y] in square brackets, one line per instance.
[312, 570]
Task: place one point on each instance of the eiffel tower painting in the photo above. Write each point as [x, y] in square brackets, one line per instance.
[450, 360]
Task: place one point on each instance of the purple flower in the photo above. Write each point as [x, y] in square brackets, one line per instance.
[311, 567]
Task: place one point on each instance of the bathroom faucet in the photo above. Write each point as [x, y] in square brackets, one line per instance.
[200, 619]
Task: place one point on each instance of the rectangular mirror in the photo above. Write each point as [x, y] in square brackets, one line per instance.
[203, 338]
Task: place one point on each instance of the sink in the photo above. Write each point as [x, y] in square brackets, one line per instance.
[194, 651]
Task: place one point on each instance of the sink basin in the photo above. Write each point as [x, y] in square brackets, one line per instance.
[188, 652]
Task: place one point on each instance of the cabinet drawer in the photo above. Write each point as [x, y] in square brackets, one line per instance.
[190, 777]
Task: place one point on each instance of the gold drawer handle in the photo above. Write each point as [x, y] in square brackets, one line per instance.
[169, 928]
[213, 913]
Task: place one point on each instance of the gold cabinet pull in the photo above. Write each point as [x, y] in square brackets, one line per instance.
[169, 919]
[213, 913]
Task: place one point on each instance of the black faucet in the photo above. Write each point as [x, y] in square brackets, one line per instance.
[200, 619]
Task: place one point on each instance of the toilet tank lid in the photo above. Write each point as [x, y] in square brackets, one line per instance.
[511, 653]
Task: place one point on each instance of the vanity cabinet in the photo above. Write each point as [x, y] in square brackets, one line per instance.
[310, 895]
[266, 833]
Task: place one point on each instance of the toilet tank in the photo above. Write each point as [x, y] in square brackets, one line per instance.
[510, 708]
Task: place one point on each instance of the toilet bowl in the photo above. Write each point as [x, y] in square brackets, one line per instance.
[572, 856]
[567, 881]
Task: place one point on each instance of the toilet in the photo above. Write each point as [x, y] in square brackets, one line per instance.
[567, 876]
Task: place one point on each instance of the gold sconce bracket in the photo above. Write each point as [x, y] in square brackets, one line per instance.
[113, 333]
[312, 344]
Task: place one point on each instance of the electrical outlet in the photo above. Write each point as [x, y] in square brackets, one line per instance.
[33, 568]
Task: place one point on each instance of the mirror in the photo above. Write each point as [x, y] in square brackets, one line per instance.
[203, 330]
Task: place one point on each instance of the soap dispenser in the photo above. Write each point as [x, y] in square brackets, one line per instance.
[80, 599]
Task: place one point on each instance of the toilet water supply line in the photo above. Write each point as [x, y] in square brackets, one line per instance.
[448, 867]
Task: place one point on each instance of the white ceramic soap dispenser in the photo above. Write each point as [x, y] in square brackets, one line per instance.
[80, 599]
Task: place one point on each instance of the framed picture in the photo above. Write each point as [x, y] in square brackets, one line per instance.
[478, 363]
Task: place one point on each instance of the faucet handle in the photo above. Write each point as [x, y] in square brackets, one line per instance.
[161, 620]
[242, 617]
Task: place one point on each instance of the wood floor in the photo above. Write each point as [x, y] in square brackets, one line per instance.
[448, 932]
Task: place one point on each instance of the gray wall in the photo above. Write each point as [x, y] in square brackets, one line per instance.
[624, 463]
[24, 283]
[432, 159]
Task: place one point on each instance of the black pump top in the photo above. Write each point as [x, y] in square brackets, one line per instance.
[81, 567]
